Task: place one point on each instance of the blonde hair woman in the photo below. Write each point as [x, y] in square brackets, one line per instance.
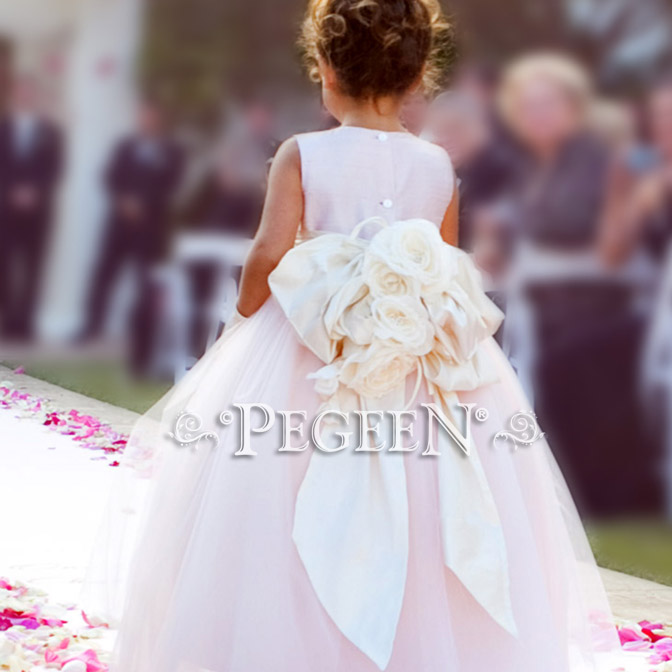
[544, 102]
[545, 92]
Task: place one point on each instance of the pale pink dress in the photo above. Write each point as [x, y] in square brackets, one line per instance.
[217, 584]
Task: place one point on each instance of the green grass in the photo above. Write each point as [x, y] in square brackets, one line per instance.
[103, 380]
[639, 547]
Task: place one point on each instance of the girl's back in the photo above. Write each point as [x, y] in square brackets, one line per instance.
[351, 173]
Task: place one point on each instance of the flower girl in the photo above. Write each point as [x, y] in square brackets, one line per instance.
[302, 555]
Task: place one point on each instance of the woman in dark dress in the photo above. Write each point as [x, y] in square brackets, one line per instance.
[587, 334]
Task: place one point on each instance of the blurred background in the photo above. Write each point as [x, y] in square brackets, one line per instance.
[135, 142]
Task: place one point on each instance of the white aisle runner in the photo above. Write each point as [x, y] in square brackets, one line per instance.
[53, 496]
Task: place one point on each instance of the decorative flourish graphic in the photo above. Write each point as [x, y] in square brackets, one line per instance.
[187, 431]
[524, 430]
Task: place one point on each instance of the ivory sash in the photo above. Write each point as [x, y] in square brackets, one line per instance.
[351, 518]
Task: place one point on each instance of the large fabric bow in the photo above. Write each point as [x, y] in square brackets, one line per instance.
[375, 312]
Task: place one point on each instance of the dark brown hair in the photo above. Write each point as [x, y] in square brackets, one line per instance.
[376, 47]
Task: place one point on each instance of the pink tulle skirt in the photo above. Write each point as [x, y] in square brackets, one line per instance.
[216, 583]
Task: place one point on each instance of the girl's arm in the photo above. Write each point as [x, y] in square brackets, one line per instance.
[280, 220]
[450, 226]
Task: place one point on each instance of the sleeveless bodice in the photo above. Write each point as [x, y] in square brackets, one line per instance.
[350, 174]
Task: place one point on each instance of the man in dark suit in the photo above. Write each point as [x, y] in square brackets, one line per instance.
[30, 167]
[140, 180]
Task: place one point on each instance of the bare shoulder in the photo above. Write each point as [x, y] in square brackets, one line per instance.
[288, 157]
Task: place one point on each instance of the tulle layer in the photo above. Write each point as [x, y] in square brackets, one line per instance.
[217, 585]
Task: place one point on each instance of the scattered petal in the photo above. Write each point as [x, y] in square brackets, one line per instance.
[90, 432]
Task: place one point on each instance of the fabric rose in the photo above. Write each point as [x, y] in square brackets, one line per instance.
[355, 324]
[376, 311]
[413, 248]
[348, 315]
[385, 281]
[377, 370]
[440, 306]
[405, 321]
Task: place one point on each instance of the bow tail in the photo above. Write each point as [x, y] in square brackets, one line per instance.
[351, 532]
[473, 539]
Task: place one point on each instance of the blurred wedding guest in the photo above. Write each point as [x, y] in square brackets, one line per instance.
[230, 198]
[141, 179]
[560, 167]
[414, 111]
[476, 80]
[228, 202]
[646, 208]
[257, 128]
[583, 321]
[493, 243]
[655, 199]
[615, 124]
[639, 230]
[461, 124]
[30, 168]
[632, 159]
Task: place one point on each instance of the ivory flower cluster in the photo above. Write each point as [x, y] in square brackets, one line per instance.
[402, 310]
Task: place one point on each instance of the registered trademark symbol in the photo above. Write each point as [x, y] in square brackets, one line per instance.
[481, 414]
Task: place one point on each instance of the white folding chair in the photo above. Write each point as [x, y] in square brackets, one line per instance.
[227, 253]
